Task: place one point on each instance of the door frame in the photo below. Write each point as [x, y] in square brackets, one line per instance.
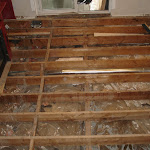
[40, 12]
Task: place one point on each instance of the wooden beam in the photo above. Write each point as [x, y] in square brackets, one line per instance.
[101, 51]
[93, 116]
[16, 98]
[78, 140]
[46, 22]
[27, 34]
[34, 43]
[26, 23]
[17, 117]
[77, 116]
[68, 31]
[4, 77]
[20, 81]
[81, 79]
[15, 140]
[80, 96]
[79, 40]
[81, 52]
[94, 140]
[67, 41]
[118, 21]
[123, 63]
[116, 29]
[119, 39]
[68, 22]
[28, 53]
[116, 34]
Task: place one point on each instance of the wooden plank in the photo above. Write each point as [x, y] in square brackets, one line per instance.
[81, 52]
[94, 116]
[28, 53]
[15, 140]
[26, 23]
[71, 31]
[100, 51]
[34, 43]
[20, 81]
[81, 79]
[118, 21]
[98, 64]
[26, 66]
[17, 117]
[68, 22]
[10, 35]
[116, 34]
[119, 39]
[16, 98]
[77, 116]
[46, 22]
[4, 77]
[79, 40]
[80, 96]
[123, 63]
[11, 32]
[94, 140]
[78, 140]
[67, 41]
[64, 31]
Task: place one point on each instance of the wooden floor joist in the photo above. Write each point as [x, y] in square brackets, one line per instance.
[78, 96]
[36, 62]
[78, 140]
[80, 52]
[4, 77]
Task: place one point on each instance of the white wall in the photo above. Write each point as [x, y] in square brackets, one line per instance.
[130, 7]
[23, 8]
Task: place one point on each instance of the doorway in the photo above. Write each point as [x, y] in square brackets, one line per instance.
[46, 7]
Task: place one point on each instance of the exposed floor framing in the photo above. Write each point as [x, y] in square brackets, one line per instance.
[39, 77]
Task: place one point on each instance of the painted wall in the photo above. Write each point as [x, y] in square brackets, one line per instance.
[130, 7]
[23, 8]
[118, 8]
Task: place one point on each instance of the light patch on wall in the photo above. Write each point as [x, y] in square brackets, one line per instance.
[33, 6]
[113, 4]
